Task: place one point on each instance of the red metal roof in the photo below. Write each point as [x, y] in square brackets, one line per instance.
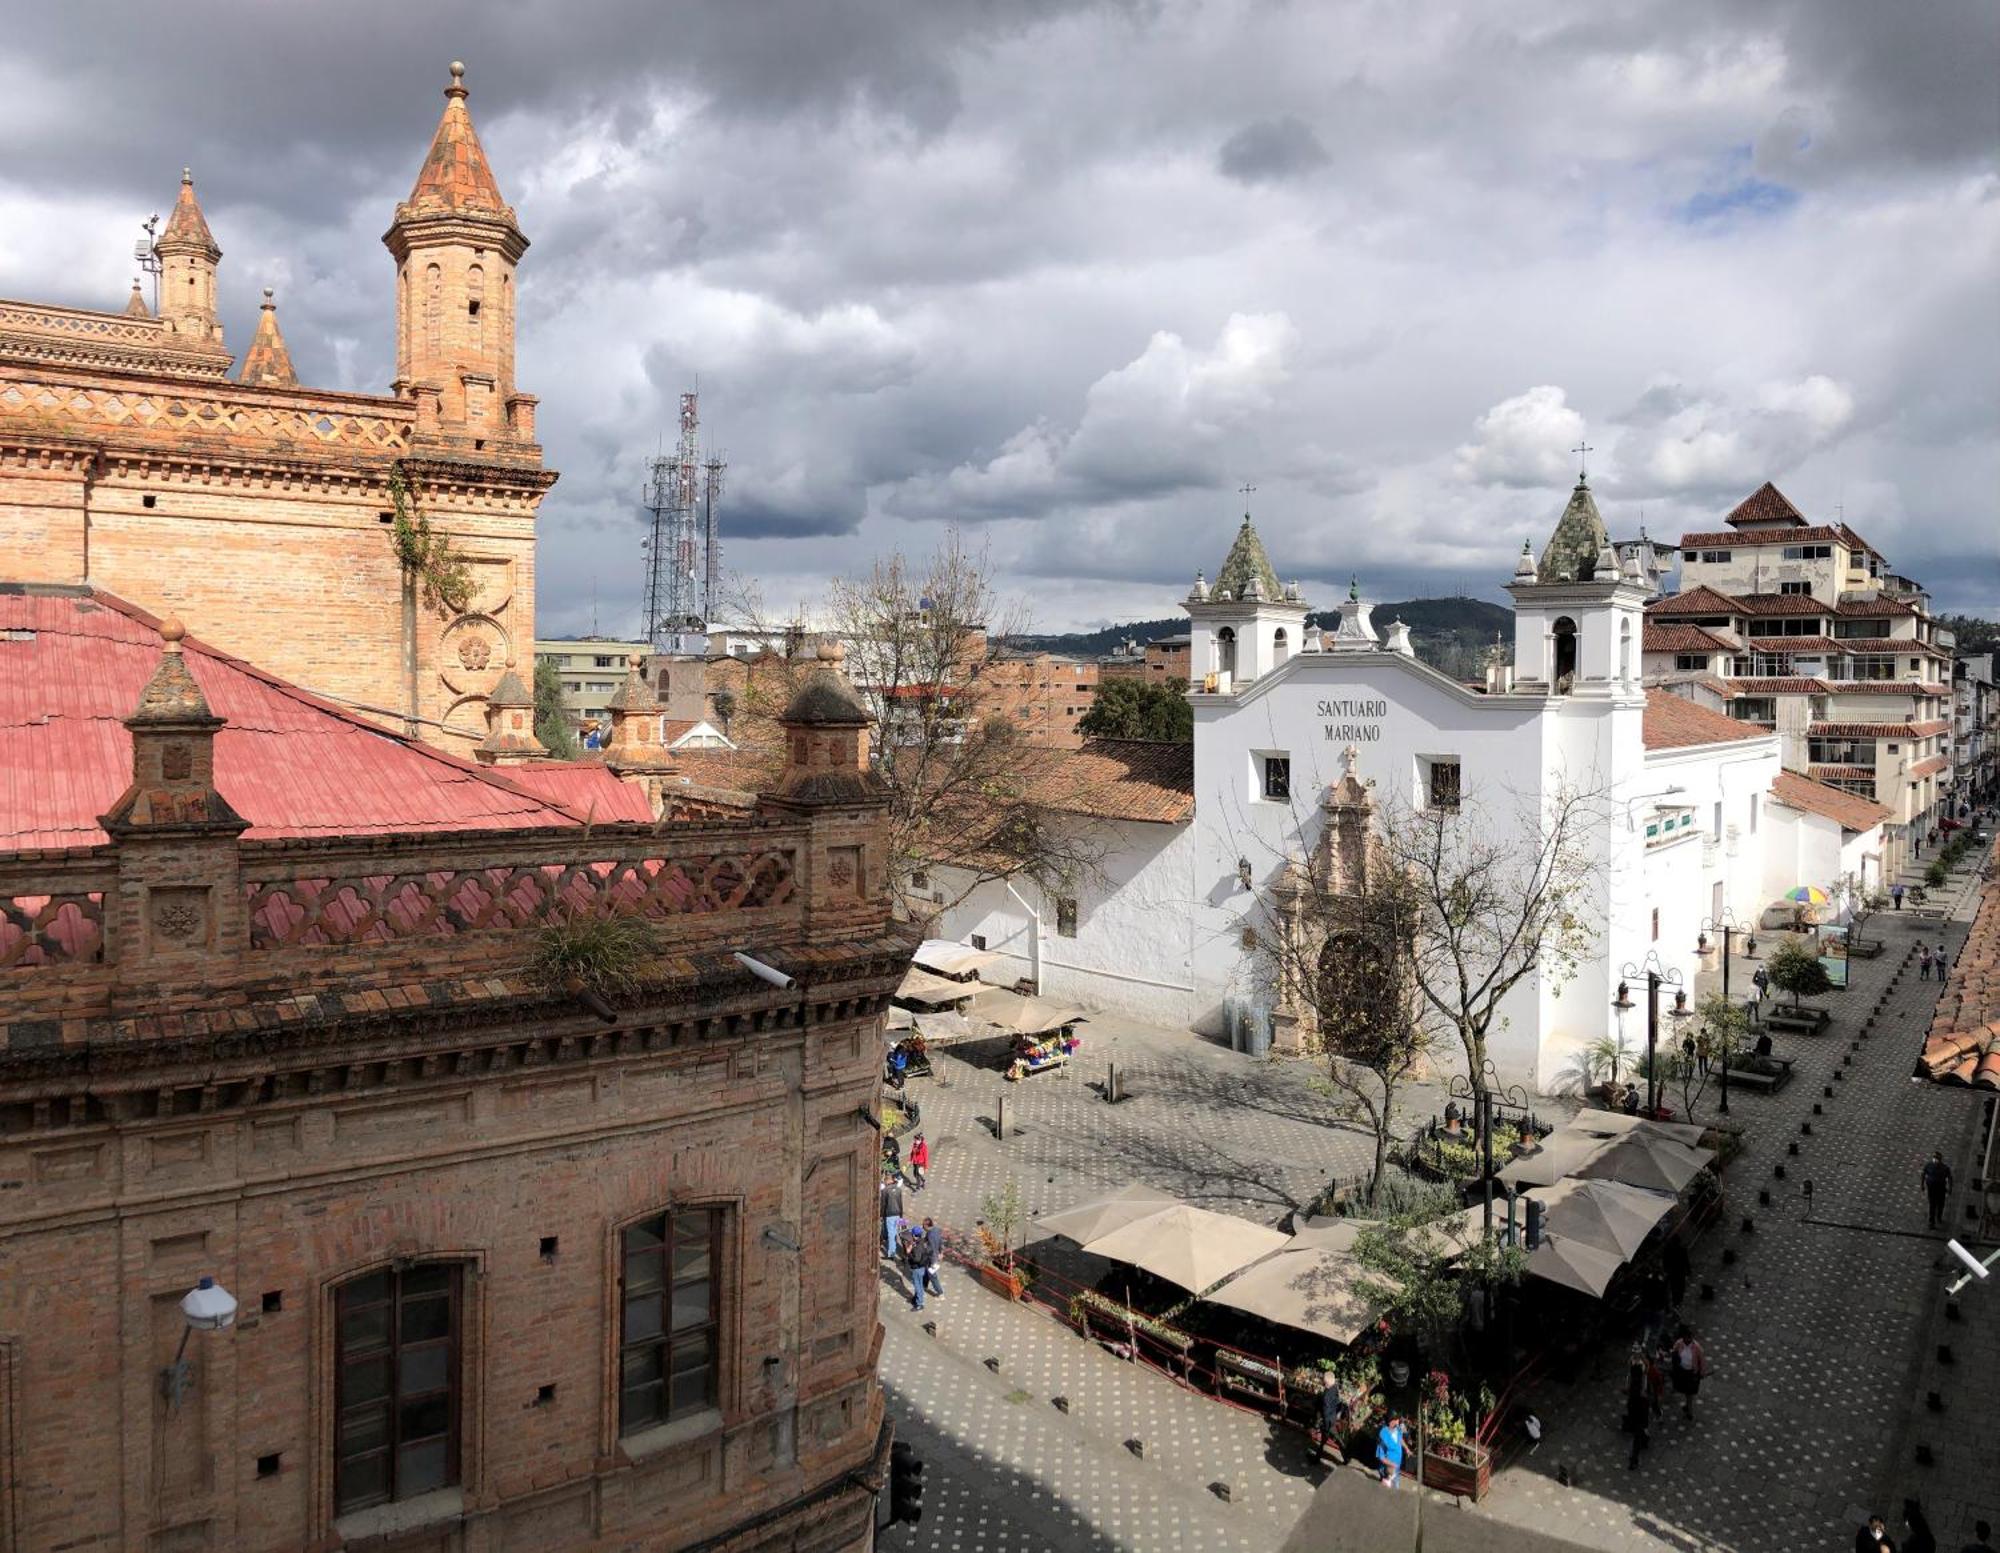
[72, 664]
[589, 788]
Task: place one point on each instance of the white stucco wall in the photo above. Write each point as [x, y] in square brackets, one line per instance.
[1132, 947]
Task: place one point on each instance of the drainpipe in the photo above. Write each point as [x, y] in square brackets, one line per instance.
[1035, 936]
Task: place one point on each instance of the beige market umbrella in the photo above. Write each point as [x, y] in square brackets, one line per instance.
[952, 959]
[1574, 1264]
[1309, 1290]
[1658, 1164]
[1561, 1153]
[1101, 1215]
[1616, 1124]
[920, 986]
[1189, 1246]
[1607, 1215]
[1013, 1014]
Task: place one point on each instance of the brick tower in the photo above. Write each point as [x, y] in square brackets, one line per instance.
[456, 244]
[188, 257]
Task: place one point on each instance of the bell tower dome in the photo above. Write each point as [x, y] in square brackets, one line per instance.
[1579, 612]
[456, 242]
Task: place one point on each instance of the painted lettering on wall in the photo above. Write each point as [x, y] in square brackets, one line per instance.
[1361, 720]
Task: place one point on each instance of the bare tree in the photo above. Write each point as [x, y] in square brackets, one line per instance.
[1490, 900]
[966, 789]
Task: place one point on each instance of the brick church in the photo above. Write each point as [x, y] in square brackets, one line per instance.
[353, 1192]
[136, 456]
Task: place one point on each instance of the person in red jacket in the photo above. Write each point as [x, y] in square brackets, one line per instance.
[920, 1160]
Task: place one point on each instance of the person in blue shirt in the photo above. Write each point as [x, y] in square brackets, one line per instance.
[1389, 1451]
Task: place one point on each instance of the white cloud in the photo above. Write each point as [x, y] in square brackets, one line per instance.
[1714, 446]
[1524, 441]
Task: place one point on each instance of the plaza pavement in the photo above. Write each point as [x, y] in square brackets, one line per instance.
[1816, 1333]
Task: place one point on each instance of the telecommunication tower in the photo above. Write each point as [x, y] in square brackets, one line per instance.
[684, 549]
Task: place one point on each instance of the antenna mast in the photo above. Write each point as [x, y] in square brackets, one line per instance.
[147, 257]
[684, 549]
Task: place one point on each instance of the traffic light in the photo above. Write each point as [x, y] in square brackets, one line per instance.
[1536, 1214]
[906, 1484]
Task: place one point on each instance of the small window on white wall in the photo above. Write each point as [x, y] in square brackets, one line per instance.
[1442, 783]
[1065, 916]
[1272, 774]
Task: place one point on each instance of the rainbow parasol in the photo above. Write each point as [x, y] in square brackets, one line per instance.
[1807, 895]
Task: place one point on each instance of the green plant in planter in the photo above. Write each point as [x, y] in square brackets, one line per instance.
[1603, 1055]
[1795, 969]
[591, 953]
[1937, 873]
[1004, 1213]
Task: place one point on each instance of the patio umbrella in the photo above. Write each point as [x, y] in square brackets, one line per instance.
[1561, 1153]
[950, 959]
[1574, 1264]
[1616, 1124]
[1807, 895]
[1657, 1164]
[1605, 1215]
[1189, 1246]
[1101, 1215]
[920, 986]
[1308, 1290]
[1013, 1014]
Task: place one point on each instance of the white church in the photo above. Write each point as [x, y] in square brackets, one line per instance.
[1698, 819]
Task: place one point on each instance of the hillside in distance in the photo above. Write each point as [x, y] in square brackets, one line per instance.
[1451, 634]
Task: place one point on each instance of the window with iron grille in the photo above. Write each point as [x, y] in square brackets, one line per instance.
[1066, 916]
[1442, 785]
[669, 1296]
[396, 1384]
[1278, 777]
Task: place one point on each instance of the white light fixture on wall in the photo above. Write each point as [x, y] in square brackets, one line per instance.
[207, 1307]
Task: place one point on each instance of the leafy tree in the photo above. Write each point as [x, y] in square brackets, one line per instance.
[1720, 1025]
[1972, 634]
[1863, 903]
[1794, 968]
[1414, 1266]
[552, 724]
[1126, 708]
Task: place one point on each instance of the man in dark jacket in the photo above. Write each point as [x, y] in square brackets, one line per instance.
[934, 1256]
[1937, 1186]
[892, 1215]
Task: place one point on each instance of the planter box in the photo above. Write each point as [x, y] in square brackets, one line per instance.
[1468, 1475]
[1006, 1284]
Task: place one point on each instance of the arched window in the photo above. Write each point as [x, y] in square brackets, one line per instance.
[397, 1363]
[1280, 646]
[475, 298]
[1565, 644]
[1225, 650]
[433, 308]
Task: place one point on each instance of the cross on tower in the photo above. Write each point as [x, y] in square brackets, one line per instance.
[1582, 450]
[1244, 490]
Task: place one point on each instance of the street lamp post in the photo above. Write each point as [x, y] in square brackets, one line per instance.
[1727, 925]
[1657, 976]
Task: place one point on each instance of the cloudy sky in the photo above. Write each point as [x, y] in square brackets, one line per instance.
[1069, 274]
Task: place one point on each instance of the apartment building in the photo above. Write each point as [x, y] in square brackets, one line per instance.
[1043, 694]
[592, 669]
[1975, 726]
[1803, 628]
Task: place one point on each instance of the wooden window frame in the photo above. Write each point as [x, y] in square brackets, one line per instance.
[663, 1341]
[393, 1399]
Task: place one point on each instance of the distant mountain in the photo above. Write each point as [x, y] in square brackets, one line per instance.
[1451, 635]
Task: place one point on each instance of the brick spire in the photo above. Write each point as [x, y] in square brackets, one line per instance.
[187, 229]
[173, 753]
[510, 724]
[135, 304]
[455, 174]
[267, 364]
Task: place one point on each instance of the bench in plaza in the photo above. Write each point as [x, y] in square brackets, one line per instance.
[1806, 1021]
[1770, 1074]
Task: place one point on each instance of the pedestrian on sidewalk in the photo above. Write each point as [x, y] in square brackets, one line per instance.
[1653, 1300]
[1936, 1178]
[919, 1251]
[1761, 980]
[1389, 1450]
[1941, 962]
[1333, 1416]
[1874, 1537]
[1689, 1367]
[920, 1160]
[1923, 962]
[1896, 894]
[892, 1213]
[1674, 1263]
[933, 1256]
[1638, 1405]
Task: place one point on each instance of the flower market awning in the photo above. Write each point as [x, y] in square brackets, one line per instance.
[952, 959]
[1190, 1246]
[1012, 1014]
[920, 986]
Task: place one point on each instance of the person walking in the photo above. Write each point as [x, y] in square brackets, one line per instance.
[1761, 980]
[1936, 1178]
[1389, 1451]
[1924, 962]
[920, 1253]
[1653, 1300]
[1940, 962]
[1874, 1537]
[1896, 894]
[1638, 1406]
[920, 1160]
[1674, 1263]
[892, 1213]
[899, 1064]
[1689, 1367]
[1332, 1416]
[933, 1256]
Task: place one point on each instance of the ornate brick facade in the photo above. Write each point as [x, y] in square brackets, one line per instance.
[301, 1063]
[259, 511]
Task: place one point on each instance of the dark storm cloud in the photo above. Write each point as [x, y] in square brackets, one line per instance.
[1075, 270]
[1271, 150]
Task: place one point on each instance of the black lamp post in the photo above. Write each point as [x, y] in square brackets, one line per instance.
[1481, 1096]
[1727, 925]
[1657, 976]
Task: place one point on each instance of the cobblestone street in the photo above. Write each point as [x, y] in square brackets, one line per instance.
[1815, 1331]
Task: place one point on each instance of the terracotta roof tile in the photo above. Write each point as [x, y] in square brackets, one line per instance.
[1117, 779]
[1877, 730]
[1673, 722]
[456, 175]
[1766, 504]
[1681, 638]
[1850, 810]
[1785, 686]
[1931, 767]
[1824, 772]
[1738, 539]
[1963, 1046]
[1695, 601]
